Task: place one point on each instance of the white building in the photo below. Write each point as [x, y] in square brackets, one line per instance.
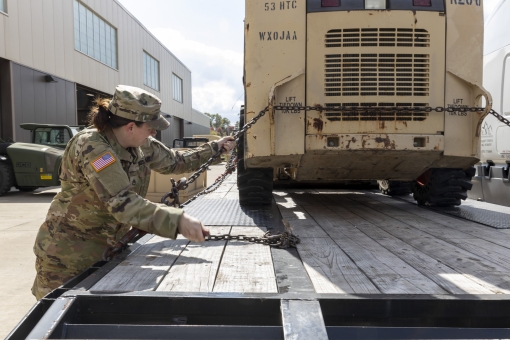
[57, 55]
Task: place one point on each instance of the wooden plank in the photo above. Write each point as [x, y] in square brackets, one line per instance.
[408, 218]
[331, 270]
[469, 227]
[299, 221]
[485, 273]
[462, 238]
[145, 269]
[444, 276]
[305, 228]
[291, 276]
[390, 274]
[195, 269]
[246, 267]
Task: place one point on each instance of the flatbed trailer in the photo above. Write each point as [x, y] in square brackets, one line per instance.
[368, 266]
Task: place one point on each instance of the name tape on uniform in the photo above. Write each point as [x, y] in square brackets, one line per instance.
[103, 161]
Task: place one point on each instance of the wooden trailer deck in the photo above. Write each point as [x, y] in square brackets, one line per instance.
[368, 266]
[352, 242]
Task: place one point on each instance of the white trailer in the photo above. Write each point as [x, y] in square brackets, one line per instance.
[492, 182]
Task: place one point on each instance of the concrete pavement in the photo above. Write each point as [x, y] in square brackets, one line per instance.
[21, 215]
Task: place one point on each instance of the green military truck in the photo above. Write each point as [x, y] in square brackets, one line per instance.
[28, 166]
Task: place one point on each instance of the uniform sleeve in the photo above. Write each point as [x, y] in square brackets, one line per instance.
[112, 186]
[168, 161]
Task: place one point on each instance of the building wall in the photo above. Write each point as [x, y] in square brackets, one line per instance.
[40, 35]
[37, 101]
[198, 126]
[201, 118]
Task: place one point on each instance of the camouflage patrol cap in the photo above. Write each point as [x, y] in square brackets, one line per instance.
[139, 105]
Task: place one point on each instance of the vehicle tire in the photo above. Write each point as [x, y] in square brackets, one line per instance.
[394, 188]
[442, 187]
[6, 177]
[255, 185]
[26, 189]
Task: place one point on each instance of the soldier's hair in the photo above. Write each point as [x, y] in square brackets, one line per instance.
[102, 118]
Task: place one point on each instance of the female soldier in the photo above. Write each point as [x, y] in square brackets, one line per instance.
[105, 173]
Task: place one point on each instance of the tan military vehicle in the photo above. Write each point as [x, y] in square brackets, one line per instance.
[355, 90]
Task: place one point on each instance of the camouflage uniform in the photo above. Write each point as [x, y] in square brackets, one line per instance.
[102, 196]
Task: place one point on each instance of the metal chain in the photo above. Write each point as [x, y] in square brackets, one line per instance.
[280, 240]
[285, 239]
[500, 117]
[231, 166]
[377, 109]
[389, 109]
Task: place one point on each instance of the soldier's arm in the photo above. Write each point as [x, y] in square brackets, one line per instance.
[166, 161]
[112, 186]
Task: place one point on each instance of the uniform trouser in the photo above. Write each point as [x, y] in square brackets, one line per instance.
[49, 277]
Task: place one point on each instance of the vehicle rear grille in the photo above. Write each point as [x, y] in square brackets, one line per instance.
[359, 37]
[376, 116]
[377, 75]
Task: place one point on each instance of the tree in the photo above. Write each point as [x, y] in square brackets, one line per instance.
[219, 124]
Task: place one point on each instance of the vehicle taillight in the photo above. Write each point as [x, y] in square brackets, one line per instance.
[423, 3]
[330, 3]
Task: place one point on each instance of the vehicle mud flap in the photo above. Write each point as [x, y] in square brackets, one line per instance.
[255, 185]
[443, 187]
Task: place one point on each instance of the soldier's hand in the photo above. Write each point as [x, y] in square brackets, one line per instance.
[228, 143]
[192, 229]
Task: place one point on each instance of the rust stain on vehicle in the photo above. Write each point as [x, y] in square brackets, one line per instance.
[352, 140]
[388, 143]
[318, 124]
[248, 27]
[248, 85]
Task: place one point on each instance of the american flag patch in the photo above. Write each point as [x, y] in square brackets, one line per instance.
[103, 161]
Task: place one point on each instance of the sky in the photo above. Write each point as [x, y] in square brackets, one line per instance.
[207, 36]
